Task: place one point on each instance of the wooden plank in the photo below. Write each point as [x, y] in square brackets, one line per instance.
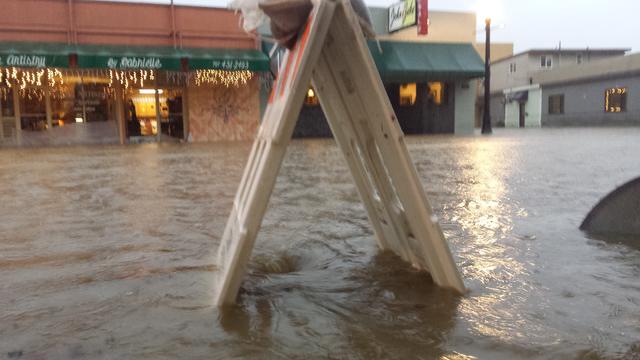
[268, 152]
[361, 88]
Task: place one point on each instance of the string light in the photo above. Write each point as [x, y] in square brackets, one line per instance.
[223, 77]
[29, 78]
[128, 78]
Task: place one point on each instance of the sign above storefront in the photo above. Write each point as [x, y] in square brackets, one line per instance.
[33, 61]
[229, 64]
[129, 62]
[402, 15]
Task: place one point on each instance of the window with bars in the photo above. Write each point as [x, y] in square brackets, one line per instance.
[556, 104]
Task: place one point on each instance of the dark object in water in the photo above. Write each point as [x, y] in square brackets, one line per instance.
[618, 213]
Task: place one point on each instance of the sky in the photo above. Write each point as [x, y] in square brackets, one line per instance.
[537, 23]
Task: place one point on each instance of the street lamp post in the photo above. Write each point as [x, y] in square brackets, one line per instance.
[486, 117]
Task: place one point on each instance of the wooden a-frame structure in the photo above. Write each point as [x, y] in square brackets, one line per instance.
[332, 54]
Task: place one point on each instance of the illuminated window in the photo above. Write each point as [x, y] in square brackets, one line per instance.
[546, 62]
[556, 104]
[311, 98]
[615, 100]
[436, 92]
[408, 94]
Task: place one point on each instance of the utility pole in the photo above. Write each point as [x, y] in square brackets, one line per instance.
[486, 117]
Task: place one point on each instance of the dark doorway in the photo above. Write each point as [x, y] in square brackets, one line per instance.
[522, 113]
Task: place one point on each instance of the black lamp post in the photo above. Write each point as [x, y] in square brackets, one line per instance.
[486, 117]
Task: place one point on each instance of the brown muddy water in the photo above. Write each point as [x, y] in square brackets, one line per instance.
[108, 253]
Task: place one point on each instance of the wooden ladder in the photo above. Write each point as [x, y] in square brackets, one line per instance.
[332, 53]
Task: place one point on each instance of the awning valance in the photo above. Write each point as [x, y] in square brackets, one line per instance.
[40, 55]
[125, 57]
[164, 58]
[33, 55]
[402, 61]
[227, 59]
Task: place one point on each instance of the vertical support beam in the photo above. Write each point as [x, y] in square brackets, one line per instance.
[119, 99]
[1, 123]
[185, 112]
[72, 38]
[17, 114]
[47, 105]
[158, 113]
[173, 25]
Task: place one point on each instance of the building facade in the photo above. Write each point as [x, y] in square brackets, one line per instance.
[516, 98]
[82, 72]
[431, 80]
[602, 93]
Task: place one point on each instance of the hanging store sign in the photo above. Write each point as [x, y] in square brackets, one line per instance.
[34, 61]
[402, 15]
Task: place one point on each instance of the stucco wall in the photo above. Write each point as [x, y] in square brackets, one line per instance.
[497, 110]
[584, 103]
[445, 26]
[108, 22]
[499, 51]
[465, 98]
[532, 109]
[502, 79]
[218, 113]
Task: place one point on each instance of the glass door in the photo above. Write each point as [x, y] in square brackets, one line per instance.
[171, 117]
[140, 110]
[8, 131]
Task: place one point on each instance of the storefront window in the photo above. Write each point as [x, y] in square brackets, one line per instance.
[556, 104]
[64, 104]
[171, 122]
[408, 94]
[81, 99]
[436, 92]
[140, 111]
[33, 111]
[615, 100]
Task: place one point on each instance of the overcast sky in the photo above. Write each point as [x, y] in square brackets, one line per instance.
[538, 23]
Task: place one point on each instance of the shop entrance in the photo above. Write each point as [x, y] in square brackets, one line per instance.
[8, 130]
[154, 114]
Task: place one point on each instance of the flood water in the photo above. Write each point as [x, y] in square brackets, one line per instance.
[109, 252]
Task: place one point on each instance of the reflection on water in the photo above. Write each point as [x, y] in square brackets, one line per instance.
[109, 252]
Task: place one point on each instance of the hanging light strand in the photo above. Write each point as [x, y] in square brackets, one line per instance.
[222, 77]
[128, 78]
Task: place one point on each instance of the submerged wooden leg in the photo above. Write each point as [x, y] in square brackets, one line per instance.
[362, 119]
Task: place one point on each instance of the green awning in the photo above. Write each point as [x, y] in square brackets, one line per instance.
[402, 61]
[128, 57]
[227, 59]
[34, 55]
[168, 58]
